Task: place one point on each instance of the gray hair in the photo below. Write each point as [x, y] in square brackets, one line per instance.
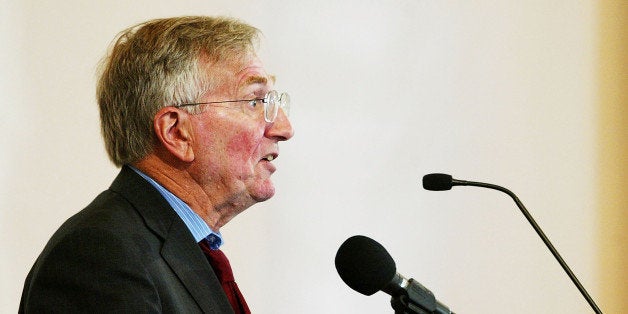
[160, 63]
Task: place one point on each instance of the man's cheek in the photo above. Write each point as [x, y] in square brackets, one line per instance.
[242, 146]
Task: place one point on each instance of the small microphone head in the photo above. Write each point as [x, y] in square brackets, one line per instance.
[437, 182]
[364, 265]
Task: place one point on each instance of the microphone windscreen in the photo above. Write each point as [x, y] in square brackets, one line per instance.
[437, 182]
[364, 265]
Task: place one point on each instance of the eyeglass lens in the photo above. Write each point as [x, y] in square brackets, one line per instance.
[274, 101]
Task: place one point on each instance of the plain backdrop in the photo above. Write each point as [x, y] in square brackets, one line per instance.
[383, 93]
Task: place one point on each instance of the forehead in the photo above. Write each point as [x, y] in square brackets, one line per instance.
[252, 72]
[242, 75]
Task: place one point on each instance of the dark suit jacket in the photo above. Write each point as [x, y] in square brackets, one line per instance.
[128, 251]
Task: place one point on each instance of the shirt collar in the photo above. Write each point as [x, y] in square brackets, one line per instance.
[197, 226]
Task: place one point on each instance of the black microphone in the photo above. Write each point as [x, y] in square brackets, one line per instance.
[443, 182]
[366, 267]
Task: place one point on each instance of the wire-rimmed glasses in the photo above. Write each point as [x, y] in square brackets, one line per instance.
[273, 101]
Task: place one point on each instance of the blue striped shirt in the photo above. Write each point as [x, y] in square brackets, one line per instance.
[197, 226]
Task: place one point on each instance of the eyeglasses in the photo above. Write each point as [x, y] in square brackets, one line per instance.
[273, 101]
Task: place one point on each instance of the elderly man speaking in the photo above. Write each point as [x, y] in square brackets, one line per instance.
[190, 115]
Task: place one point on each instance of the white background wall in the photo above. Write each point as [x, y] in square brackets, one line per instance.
[383, 92]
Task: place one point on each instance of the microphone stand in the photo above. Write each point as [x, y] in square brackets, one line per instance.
[410, 297]
[538, 230]
[401, 306]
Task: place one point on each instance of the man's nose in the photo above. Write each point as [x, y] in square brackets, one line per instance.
[281, 128]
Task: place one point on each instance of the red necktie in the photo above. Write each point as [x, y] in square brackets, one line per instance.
[222, 268]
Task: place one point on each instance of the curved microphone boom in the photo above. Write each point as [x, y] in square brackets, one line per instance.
[366, 267]
[444, 182]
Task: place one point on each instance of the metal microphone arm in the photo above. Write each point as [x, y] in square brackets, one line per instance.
[538, 230]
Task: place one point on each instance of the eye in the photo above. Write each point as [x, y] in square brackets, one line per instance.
[252, 105]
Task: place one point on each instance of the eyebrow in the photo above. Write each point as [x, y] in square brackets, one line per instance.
[256, 79]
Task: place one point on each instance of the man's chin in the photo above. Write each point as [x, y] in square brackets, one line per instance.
[263, 192]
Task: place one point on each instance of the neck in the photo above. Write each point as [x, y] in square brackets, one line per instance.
[214, 204]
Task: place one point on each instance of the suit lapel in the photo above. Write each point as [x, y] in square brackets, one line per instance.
[192, 268]
[179, 249]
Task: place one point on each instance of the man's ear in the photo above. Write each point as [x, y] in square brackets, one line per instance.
[174, 130]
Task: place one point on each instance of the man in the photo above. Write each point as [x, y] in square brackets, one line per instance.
[188, 112]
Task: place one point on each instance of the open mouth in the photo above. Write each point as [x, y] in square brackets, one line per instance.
[269, 157]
